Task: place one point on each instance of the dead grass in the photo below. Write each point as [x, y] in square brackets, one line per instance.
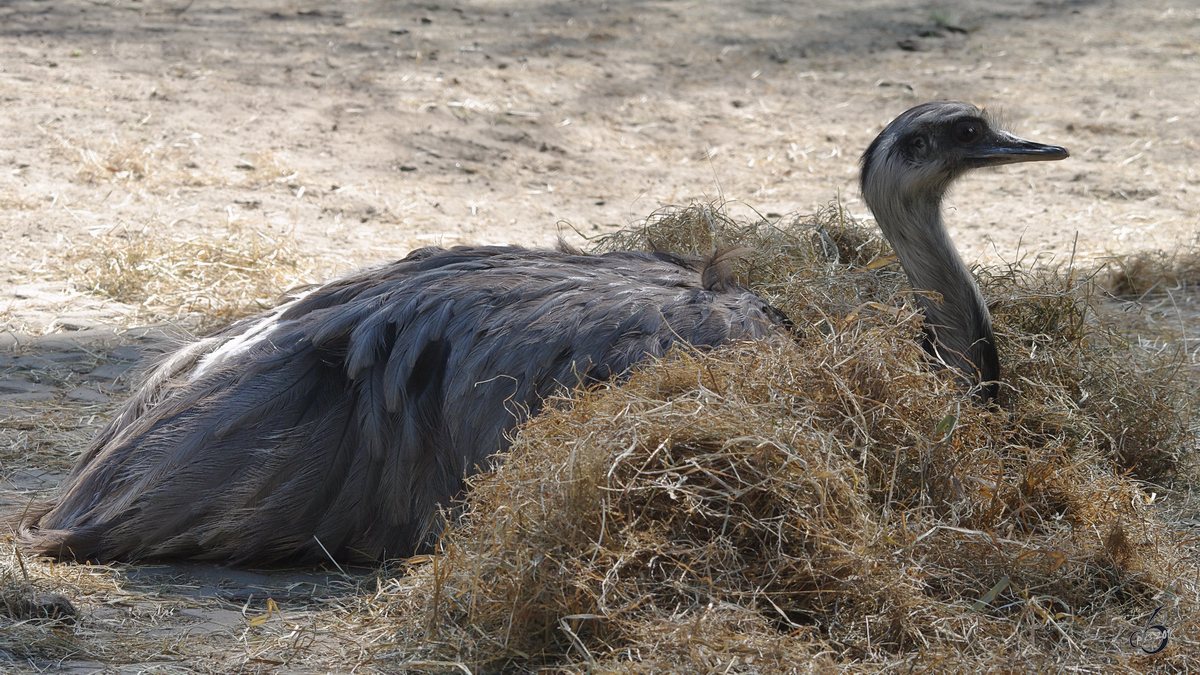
[209, 280]
[158, 167]
[825, 504]
[43, 435]
[1058, 349]
[1147, 272]
[31, 632]
[830, 504]
[15, 201]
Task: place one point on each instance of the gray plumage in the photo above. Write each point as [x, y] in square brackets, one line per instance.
[339, 422]
[906, 172]
[352, 412]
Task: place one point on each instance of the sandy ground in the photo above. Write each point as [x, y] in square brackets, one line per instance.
[366, 128]
[363, 129]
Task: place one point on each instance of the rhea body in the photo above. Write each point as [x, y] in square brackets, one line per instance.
[338, 423]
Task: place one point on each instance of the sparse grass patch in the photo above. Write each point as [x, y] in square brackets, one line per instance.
[165, 165]
[1148, 272]
[14, 201]
[37, 621]
[210, 280]
[44, 435]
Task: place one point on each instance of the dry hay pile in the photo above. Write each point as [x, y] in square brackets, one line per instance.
[829, 504]
[823, 504]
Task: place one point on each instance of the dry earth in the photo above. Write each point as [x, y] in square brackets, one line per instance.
[359, 130]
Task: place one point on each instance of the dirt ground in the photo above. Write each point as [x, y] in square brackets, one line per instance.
[360, 130]
[367, 128]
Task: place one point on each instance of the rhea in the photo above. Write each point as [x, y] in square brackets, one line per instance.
[337, 424]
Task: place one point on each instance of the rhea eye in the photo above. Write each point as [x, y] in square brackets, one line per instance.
[917, 143]
[967, 132]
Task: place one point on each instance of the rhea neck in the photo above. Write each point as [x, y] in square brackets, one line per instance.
[958, 325]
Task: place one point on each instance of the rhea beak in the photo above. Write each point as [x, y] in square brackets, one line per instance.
[1004, 148]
